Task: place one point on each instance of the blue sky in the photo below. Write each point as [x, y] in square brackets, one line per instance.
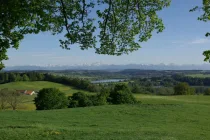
[182, 42]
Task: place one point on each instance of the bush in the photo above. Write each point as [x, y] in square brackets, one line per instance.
[136, 89]
[183, 89]
[207, 91]
[50, 98]
[121, 94]
[101, 98]
[79, 99]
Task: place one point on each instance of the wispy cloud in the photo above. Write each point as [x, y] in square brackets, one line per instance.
[41, 54]
[192, 42]
[200, 41]
[59, 57]
[177, 42]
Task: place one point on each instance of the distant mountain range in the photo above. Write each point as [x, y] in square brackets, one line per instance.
[112, 67]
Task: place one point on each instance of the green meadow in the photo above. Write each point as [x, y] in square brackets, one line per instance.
[157, 118]
[27, 100]
[37, 85]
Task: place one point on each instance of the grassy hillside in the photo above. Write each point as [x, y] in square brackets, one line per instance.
[157, 118]
[28, 103]
[37, 85]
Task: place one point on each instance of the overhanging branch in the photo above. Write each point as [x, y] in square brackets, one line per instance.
[65, 16]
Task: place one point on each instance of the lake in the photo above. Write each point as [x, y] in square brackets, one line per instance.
[107, 81]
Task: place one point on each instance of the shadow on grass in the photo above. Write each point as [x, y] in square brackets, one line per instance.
[17, 127]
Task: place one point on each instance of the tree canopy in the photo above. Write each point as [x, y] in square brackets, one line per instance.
[205, 8]
[117, 25]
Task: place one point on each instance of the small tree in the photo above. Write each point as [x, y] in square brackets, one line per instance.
[50, 98]
[207, 91]
[79, 99]
[18, 77]
[13, 99]
[121, 94]
[183, 89]
[136, 88]
[25, 77]
[3, 98]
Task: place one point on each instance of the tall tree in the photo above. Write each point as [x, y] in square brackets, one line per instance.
[2, 77]
[18, 77]
[12, 77]
[120, 24]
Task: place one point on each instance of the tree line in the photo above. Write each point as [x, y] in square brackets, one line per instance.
[52, 98]
[82, 84]
[193, 81]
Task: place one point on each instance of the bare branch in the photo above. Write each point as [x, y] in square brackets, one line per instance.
[107, 17]
[83, 12]
[65, 16]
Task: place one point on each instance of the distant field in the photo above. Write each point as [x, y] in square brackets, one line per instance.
[37, 85]
[157, 118]
[198, 75]
[182, 99]
[28, 103]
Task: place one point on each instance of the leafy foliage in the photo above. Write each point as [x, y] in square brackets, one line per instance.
[13, 98]
[121, 94]
[183, 89]
[119, 23]
[50, 98]
[204, 17]
[207, 91]
[79, 99]
[38, 76]
[3, 98]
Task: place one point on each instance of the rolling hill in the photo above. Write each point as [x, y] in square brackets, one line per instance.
[37, 85]
[157, 118]
[27, 101]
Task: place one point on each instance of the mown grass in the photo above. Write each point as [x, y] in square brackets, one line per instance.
[157, 118]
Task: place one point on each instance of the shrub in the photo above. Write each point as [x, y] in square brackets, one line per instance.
[207, 91]
[183, 89]
[50, 98]
[121, 94]
[79, 99]
[99, 99]
[3, 98]
[136, 89]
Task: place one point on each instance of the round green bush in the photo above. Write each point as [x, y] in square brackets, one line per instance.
[183, 89]
[79, 99]
[121, 94]
[50, 98]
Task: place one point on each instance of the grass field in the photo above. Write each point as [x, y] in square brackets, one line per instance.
[37, 85]
[157, 118]
[28, 103]
[199, 75]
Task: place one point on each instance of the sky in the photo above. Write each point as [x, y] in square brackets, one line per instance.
[182, 42]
